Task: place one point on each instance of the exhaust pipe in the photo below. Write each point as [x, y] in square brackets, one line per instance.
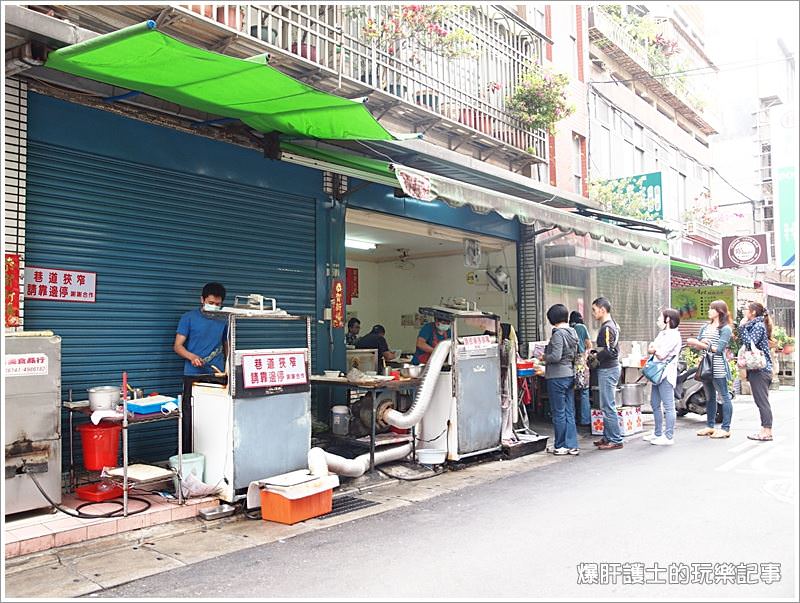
[320, 462]
[422, 400]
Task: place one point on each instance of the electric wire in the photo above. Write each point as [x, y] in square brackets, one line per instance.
[77, 512]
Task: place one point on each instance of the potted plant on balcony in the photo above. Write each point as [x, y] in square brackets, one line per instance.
[539, 100]
[402, 33]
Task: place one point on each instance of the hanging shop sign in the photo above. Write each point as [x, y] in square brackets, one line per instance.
[12, 289]
[25, 365]
[786, 216]
[747, 250]
[692, 302]
[337, 304]
[53, 284]
[274, 369]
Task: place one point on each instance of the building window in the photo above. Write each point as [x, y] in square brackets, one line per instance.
[577, 164]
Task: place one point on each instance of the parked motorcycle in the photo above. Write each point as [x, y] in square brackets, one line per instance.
[689, 393]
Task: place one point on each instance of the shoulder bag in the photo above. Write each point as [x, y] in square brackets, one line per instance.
[654, 369]
[705, 368]
[752, 359]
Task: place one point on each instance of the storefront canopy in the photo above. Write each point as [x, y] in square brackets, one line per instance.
[143, 59]
[712, 274]
[428, 187]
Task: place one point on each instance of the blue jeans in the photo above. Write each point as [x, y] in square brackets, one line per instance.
[584, 411]
[720, 384]
[561, 391]
[663, 394]
[607, 380]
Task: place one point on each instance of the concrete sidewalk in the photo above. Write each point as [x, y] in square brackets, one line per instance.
[90, 567]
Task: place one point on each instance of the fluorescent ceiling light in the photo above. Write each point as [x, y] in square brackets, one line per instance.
[356, 244]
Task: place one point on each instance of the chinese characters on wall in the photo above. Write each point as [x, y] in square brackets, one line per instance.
[60, 285]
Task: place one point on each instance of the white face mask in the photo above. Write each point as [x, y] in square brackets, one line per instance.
[443, 328]
[210, 308]
[661, 324]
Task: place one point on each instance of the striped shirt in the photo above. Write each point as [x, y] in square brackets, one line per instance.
[709, 334]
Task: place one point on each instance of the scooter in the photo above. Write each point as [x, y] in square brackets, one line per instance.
[690, 396]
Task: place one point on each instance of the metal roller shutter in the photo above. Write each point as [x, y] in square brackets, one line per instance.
[154, 237]
[529, 303]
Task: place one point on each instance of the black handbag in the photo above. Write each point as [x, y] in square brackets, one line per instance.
[705, 368]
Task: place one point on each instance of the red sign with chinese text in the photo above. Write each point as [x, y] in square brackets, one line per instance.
[274, 369]
[337, 303]
[12, 290]
[53, 284]
[351, 278]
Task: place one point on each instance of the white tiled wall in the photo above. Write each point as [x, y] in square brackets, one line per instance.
[15, 161]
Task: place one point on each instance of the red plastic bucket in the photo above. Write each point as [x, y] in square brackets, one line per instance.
[100, 445]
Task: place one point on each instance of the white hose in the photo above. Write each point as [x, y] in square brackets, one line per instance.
[424, 395]
[352, 467]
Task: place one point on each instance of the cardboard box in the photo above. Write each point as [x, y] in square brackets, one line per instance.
[630, 420]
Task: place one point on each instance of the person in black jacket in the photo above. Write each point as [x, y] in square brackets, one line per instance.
[376, 339]
[608, 372]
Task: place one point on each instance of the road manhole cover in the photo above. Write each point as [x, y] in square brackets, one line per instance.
[348, 504]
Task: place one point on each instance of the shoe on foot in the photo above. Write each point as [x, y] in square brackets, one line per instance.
[561, 451]
[662, 441]
[706, 431]
[649, 436]
[720, 433]
[574, 451]
[609, 446]
[600, 442]
[760, 437]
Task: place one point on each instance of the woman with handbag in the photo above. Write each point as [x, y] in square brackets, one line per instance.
[665, 350]
[584, 412]
[713, 340]
[756, 332]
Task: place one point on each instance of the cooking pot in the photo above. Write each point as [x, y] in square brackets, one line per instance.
[633, 394]
[103, 397]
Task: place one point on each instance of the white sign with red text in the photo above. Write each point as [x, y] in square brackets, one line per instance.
[26, 365]
[60, 285]
[478, 342]
[274, 369]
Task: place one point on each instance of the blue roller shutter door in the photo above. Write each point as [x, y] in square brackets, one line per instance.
[154, 237]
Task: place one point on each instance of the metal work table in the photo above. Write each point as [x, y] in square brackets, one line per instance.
[127, 419]
[374, 389]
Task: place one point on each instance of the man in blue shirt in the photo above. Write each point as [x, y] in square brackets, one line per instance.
[203, 344]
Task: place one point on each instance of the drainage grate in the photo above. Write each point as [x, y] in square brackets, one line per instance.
[346, 504]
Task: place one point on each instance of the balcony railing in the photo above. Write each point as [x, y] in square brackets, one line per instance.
[681, 93]
[697, 231]
[458, 89]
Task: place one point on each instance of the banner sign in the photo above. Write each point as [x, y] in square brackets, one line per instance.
[745, 250]
[272, 370]
[692, 302]
[12, 289]
[53, 284]
[786, 217]
[337, 304]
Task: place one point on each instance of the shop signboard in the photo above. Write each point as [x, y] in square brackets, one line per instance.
[54, 284]
[274, 369]
[649, 184]
[692, 302]
[745, 250]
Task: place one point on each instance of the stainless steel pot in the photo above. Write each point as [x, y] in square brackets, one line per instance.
[103, 397]
[411, 371]
[633, 394]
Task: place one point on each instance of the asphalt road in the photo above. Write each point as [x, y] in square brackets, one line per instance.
[697, 516]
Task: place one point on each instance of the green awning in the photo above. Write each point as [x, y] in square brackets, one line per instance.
[712, 274]
[143, 59]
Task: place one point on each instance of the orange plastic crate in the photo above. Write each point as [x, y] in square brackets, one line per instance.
[275, 507]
